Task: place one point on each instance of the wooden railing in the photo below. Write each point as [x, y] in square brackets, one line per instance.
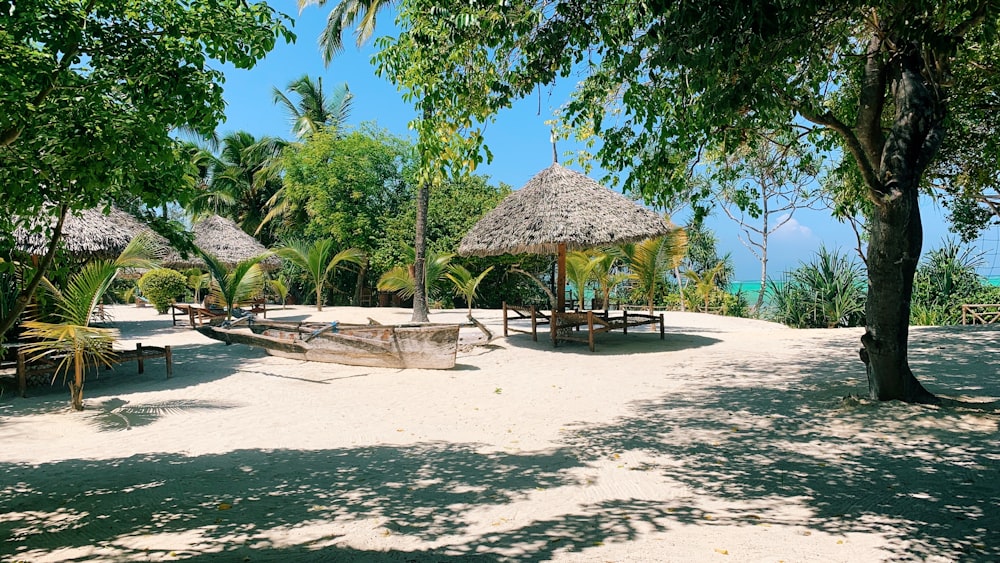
[980, 313]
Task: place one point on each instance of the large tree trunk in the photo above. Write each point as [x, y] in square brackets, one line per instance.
[420, 312]
[896, 231]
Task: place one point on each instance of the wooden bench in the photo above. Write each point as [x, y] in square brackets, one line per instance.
[49, 366]
[537, 317]
[980, 313]
[566, 326]
[562, 326]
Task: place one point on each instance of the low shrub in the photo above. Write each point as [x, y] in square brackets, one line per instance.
[161, 286]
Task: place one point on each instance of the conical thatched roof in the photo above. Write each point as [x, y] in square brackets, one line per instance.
[223, 239]
[90, 233]
[560, 206]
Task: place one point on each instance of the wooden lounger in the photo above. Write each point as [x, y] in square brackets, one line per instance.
[49, 367]
[564, 325]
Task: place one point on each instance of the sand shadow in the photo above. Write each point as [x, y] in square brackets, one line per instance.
[614, 343]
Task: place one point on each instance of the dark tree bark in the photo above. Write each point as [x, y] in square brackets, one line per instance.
[21, 303]
[420, 312]
[896, 230]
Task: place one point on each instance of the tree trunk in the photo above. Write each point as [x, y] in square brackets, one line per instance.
[76, 385]
[359, 287]
[896, 231]
[893, 253]
[319, 297]
[28, 292]
[420, 312]
[680, 286]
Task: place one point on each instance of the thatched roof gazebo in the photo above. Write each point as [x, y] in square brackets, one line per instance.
[90, 233]
[560, 210]
[225, 240]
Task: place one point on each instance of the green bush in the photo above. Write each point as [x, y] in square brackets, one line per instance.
[945, 279]
[161, 286]
[825, 293]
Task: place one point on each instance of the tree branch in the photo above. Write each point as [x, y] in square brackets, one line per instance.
[875, 187]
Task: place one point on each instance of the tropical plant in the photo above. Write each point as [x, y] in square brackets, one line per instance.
[314, 110]
[344, 14]
[703, 284]
[652, 259]
[319, 259]
[70, 340]
[161, 286]
[825, 293]
[230, 287]
[401, 281]
[607, 275]
[579, 271]
[197, 281]
[946, 278]
[280, 288]
[466, 284]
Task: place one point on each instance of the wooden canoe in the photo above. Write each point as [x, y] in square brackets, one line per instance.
[426, 346]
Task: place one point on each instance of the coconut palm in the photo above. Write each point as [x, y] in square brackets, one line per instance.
[319, 260]
[652, 259]
[606, 274]
[344, 14]
[71, 340]
[466, 284]
[241, 180]
[242, 283]
[401, 279]
[579, 271]
[314, 110]
[704, 284]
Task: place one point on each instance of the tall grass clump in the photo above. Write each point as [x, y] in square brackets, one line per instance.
[946, 278]
[827, 292]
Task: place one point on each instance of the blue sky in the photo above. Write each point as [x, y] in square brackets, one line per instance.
[519, 139]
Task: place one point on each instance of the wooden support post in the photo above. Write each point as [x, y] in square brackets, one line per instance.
[505, 319]
[625, 321]
[138, 353]
[170, 361]
[590, 329]
[561, 278]
[22, 375]
[661, 326]
[534, 324]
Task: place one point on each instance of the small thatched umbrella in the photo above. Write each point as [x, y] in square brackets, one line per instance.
[91, 233]
[225, 240]
[556, 211]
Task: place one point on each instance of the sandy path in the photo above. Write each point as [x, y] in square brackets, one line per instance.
[731, 440]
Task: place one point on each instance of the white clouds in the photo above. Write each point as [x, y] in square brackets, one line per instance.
[791, 229]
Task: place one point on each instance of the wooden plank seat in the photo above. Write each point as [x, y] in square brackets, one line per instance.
[28, 368]
[512, 313]
[195, 314]
[980, 313]
[567, 326]
[570, 322]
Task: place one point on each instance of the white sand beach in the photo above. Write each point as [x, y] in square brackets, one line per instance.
[729, 440]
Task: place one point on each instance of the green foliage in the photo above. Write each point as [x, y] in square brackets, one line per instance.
[703, 286]
[91, 92]
[825, 293]
[162, 286]
[242, 283]
[651, 260]
[319, 260]
[466, 284]
[314, 110]
[400, 278]
[945, 279]
[347, 187]
[68, 337]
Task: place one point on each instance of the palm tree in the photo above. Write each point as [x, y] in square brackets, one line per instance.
[343, 16]
[72, 340]
[466, 284]
[607, 276]
[319, 260]
[314, 111]
[650, 260]
[240, 180]
[704, 283]
[245, 281]
[401, 279]
[579, 270]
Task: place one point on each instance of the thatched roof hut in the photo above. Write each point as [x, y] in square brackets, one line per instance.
[560, 207]
[556, 210]
[90, 233]
[223, 239]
